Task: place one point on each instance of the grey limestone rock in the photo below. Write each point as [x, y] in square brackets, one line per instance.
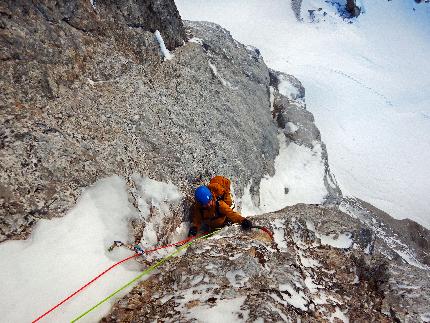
[84, 95]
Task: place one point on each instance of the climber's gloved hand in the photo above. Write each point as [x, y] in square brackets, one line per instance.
[192, 232]
[246, 224]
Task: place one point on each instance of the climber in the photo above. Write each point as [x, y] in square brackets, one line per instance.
[213, 207]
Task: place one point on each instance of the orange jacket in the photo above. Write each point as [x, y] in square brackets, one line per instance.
[214, 216]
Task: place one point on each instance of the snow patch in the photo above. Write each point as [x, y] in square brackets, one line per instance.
[286, 88]
[278, 234]
[299, 178]
[237, 278]
[226, 310]
[341, 241]
[196, 40]
[409, 258]
[339, 315]
[164, 50]
[219, 77]
[63, 254]
[290, 128]
[294, 298]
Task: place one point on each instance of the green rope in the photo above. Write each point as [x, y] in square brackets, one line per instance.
[146, 271]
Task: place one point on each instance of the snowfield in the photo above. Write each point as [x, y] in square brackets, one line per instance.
[366, 84]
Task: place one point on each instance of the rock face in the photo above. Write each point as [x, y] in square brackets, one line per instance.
[352, 8]
[323, 265]
[85, 93]
[298, 124]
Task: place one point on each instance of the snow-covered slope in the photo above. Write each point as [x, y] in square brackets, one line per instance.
[365, 83]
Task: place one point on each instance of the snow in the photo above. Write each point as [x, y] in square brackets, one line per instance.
[365, 83]
[310, 284]
[164, 50]
[219, 77]
[237, 278]
[339, 315]
[409, 258]
[278, 234]
[307, 262]
[299, 170]
[341, 241]
[196, 40]
[63, 254]
[225, 310]
[287, 89]
[298, 178]
[294, 298]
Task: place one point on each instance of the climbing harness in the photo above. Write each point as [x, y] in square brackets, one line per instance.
[138, 252]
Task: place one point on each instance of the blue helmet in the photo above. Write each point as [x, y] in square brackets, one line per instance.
[203, 195]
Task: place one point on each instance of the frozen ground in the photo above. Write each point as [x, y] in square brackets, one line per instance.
[366, 83]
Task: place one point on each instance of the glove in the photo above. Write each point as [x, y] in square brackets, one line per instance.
[192, 232]
[246, 224]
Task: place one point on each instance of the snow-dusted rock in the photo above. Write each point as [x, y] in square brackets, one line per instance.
[302, 274]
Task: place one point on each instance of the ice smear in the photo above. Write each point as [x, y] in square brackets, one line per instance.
[63, 254]
[164, 50]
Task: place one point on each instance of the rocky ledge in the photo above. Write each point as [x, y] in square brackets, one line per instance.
[323, 265]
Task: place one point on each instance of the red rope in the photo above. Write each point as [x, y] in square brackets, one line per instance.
[104, 272]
